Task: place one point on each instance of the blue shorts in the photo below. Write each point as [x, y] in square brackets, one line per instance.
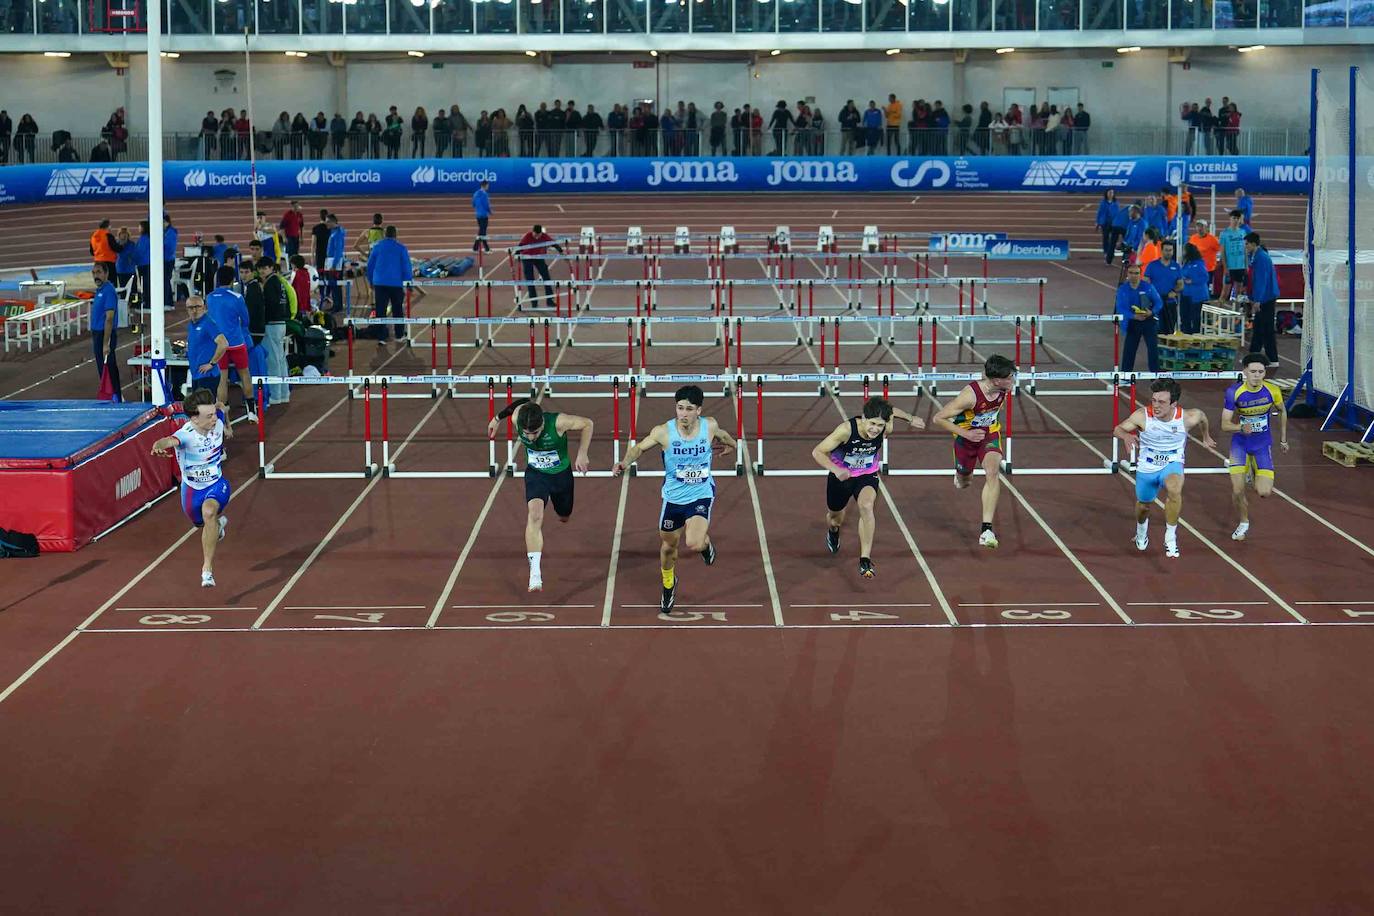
[675, 515]
[192, 500]
[1259, 459]
[1147, 483]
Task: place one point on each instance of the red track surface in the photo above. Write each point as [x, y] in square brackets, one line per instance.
[276, 754]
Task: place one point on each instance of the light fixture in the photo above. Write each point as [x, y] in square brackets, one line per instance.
[891, 51]
[1005, 50]
[1249, 48]
[653, 54]
[531, 53]
[415, 53]
[1131, 50]
[171, 54]
[57, 53]
[775, 52]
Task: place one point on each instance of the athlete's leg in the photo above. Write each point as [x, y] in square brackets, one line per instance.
[697, 536]
[209, 532]
[1173, 498]
[1238, 494]
[534, 526]
[1264, 485]
[992, 486]
[867, 496]
[834, 520]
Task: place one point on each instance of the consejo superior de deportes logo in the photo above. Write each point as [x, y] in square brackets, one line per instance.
[940, 170]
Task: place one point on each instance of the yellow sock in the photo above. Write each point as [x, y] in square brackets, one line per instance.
[668, 577]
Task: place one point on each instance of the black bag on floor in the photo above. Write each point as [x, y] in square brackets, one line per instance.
[16, 544]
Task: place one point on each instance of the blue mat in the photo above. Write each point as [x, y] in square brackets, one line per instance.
[56, 431]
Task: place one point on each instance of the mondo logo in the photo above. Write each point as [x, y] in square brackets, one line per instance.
[196, 178]
[556, 173]
[129, 483]
[425, 174]
[941, 174]
[690, 172]
[791, 171]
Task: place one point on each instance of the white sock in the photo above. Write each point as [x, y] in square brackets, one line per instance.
[1171, 531]
[1142, 527]
[534, 563]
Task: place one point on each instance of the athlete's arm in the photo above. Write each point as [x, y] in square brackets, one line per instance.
[567, 423]
[1283, 425]
[635, 449]
[504, 413]
[164, 447]
[719, 434]
[1229, 423]
[1128, 429]
[1197, 419]
[822, 451]
[942, 419]
[912, 420]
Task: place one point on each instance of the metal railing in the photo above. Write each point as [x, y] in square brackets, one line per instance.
[482, 143]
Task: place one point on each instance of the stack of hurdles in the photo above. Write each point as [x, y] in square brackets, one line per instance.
[1201, 352]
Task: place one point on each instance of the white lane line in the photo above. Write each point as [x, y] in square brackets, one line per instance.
[614, 566]
[886, 494]
[451, 582]
[530, 628]
[1333, 602]
[85, 626]
[515, 607]
[353, 607]
[1277, 491]
[187, 609]
[850, 604]
[1217, 602]
[726, 606]
[1184, 522]
[767, 558]
[1035, 604]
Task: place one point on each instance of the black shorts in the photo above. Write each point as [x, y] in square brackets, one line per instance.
[839, 492]
[555, 488]
[1238, 276]
[209, 382]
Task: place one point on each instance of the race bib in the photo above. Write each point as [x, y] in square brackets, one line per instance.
[1255, 424]
[206, 474]
[984, 420]
[543, 460]
[858, 461]
[1155, 459]
[692, 475]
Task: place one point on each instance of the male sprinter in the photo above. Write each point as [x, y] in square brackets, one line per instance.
[548, 473]
[1160, 432]
[974, 417]
[199, 447]
[1246, 416]
[853, 455]
[688, 489]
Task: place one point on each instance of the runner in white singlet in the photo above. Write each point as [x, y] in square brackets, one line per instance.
[1159, 433]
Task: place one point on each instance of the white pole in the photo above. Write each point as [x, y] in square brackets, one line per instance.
[153, 297]
[252, 130]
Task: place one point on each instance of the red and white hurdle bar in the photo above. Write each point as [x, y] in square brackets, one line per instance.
[1117, 385]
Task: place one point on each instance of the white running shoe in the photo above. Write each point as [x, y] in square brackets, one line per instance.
[222, 523]
[252, 415]
[1142, 541]
[960, 483]
[536, 583]
[1171, 546]
[987, 539]
[207, 579]
[1241, 531]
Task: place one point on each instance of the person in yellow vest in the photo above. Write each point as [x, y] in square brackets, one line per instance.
[363, 246]
[892, 115]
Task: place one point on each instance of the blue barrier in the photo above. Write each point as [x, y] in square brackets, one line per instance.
[206, 180]
[1028, 249]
